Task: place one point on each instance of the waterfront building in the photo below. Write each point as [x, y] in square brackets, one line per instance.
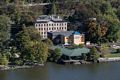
[72, 55]
[51, 23]
[67, 37]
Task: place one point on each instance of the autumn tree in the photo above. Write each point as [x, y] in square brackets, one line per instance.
[92, 30]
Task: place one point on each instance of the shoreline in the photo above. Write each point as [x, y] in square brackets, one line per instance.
[112, 59]
[13, 67]
[100, 60]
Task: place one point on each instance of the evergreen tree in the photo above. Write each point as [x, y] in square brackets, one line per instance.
[93, 55]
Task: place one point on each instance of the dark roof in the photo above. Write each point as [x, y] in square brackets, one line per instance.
[41, 22]
[57, 21]
[64, 33]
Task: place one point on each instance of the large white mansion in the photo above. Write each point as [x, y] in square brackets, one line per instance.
[52, 23]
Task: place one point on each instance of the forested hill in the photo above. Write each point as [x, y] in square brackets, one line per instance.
[99, 20]
[77, 12]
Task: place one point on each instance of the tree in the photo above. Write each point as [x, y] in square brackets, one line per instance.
[4, 60]
[5, 26]
[118, 13]
[113, 30]
[92, 28]
[105, 49]
[118, 50]
[93, 55]
[42, 53]
[84, 56]
[57, 54]
[54, 55]
[54, 9]
[48, 42]
[31, 47]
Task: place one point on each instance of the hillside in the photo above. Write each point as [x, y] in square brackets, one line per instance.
[77, 12]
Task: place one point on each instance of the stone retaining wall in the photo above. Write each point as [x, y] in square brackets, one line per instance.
[109, 59]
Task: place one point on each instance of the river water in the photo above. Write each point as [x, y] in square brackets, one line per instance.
[52, 71]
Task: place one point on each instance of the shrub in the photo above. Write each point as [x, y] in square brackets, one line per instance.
[18, 62]
[4, 60]
[118, 50]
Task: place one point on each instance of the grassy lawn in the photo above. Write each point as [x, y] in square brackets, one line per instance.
[113, 55]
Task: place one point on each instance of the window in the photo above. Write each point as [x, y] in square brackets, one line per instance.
[41, 24]
[44, 36]
[65, 27]
[52, 24]
[65, 24]
[44, 24]
[41, 28]
[36, 25]
[60, 24]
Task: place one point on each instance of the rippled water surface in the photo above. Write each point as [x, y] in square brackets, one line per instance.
[51, 71]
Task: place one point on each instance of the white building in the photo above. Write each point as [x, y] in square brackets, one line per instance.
[51, 23]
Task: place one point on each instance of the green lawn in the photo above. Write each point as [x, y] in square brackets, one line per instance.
[113, 55]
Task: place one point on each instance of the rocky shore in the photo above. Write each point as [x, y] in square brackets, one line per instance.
[109, 59]
[12, 67]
